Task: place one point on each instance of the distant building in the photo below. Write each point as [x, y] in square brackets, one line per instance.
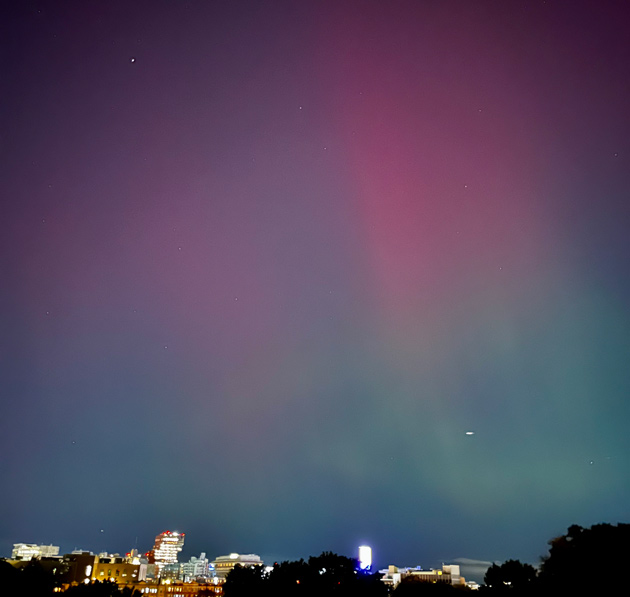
[196, 568]
[133, 557]
[167, 547]
[171, 572]
[118, 570]
[28, 551]
[449, 574]
[224, 564]
[365, 557]
[179, 589]
[80, 567]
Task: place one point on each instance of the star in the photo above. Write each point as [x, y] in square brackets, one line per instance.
[132, 59]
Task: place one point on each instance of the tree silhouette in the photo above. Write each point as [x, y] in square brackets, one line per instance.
[590, 560]
[289, 579]
[511, 577]
[28, 578]
[245, 581]
[333, 574]
[326, 574]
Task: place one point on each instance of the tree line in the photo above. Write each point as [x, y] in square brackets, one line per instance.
[327, 574]
[584, 560]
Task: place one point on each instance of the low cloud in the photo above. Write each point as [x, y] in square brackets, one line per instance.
[472, 569]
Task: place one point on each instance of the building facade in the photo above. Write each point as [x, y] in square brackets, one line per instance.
[167, 547]
[28, 551]
[118, 570]
[449, 574]
[196, 568]
[179, 589]
[223, 565]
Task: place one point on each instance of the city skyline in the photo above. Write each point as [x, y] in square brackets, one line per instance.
[296, 277]
[168, 546]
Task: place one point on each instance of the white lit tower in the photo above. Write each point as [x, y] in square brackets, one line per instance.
[365, 558]
[167, 546]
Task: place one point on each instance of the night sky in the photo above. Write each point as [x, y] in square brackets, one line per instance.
[265, 264]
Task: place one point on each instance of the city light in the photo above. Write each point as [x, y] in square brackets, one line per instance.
[365, 557]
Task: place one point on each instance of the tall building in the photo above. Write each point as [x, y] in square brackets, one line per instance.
[365, 557]
[27, 551]
[167, 546]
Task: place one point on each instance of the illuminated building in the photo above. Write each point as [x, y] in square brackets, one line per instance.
[449, 574]
[167, 546]
[224, 564]
[118, 570]
[196, 568]
[80, 567]
[365, 557]
[171, 572]
[27, 551]
[178, 589]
